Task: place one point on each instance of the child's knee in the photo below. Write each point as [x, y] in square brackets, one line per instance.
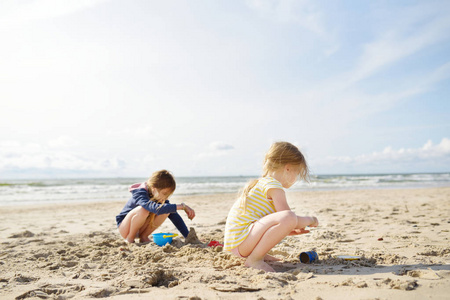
[142, 212]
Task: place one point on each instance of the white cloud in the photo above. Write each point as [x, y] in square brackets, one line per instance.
[63, 141]
[402, 41]
[221, 146]
[389, 158]
[148, 159]
[138, 132]
[344, 92]
[173, 67]
[300, 12]
[416, 30]
[16, 156]
[217, 149]
[20, 10]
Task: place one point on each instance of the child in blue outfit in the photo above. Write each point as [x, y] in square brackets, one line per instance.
[149, 207]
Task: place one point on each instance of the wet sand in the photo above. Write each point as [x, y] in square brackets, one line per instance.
[73, 251]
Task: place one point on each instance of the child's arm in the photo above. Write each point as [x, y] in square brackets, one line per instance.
[302, 222]
[298, 231]
[279, 200]
[278, 197]
[179, 223]
[142, 199]
[189, 211]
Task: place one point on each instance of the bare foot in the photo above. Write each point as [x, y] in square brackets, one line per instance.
[271, 258]
[258, 264]
[128, 242]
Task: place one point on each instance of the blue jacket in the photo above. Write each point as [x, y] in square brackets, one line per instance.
[140, 197]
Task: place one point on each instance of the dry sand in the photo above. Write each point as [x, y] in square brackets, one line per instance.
[74, 251]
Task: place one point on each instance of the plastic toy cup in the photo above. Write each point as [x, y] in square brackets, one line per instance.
[163, 238]
[308, 257]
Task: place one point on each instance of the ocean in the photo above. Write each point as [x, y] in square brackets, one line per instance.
[43, 191]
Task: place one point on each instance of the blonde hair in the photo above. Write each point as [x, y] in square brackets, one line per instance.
[160, 180]
[279, 155]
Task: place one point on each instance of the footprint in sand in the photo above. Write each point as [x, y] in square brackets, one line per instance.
[407, 285]
[424, 274]
[23, 234]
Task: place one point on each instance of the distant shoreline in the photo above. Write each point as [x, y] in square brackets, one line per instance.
[230, 195]
[18, 192]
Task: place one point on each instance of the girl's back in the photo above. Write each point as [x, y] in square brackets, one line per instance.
[249, 209]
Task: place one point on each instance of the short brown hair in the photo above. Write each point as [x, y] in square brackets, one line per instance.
[162, 180]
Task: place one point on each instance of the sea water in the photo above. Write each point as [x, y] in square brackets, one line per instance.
[23, 192]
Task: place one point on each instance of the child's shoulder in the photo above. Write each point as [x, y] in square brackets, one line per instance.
[265, 182]
[268, 179]
[138, 186]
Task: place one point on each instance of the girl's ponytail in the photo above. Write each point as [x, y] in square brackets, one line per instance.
[244, 194]
[250, 185]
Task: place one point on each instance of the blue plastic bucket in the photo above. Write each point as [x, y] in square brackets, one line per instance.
[163, 238]
[308, 257]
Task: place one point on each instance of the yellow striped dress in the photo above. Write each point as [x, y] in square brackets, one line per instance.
[239, 221]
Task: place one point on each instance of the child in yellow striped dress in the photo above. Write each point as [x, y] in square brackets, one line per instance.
[261, 217]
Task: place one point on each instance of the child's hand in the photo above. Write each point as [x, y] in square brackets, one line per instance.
[298, 231]
[315, 222]
[189, 212]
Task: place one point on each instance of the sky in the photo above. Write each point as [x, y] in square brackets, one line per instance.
[105, 88]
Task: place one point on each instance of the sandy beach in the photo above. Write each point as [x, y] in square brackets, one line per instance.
[74, 251]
